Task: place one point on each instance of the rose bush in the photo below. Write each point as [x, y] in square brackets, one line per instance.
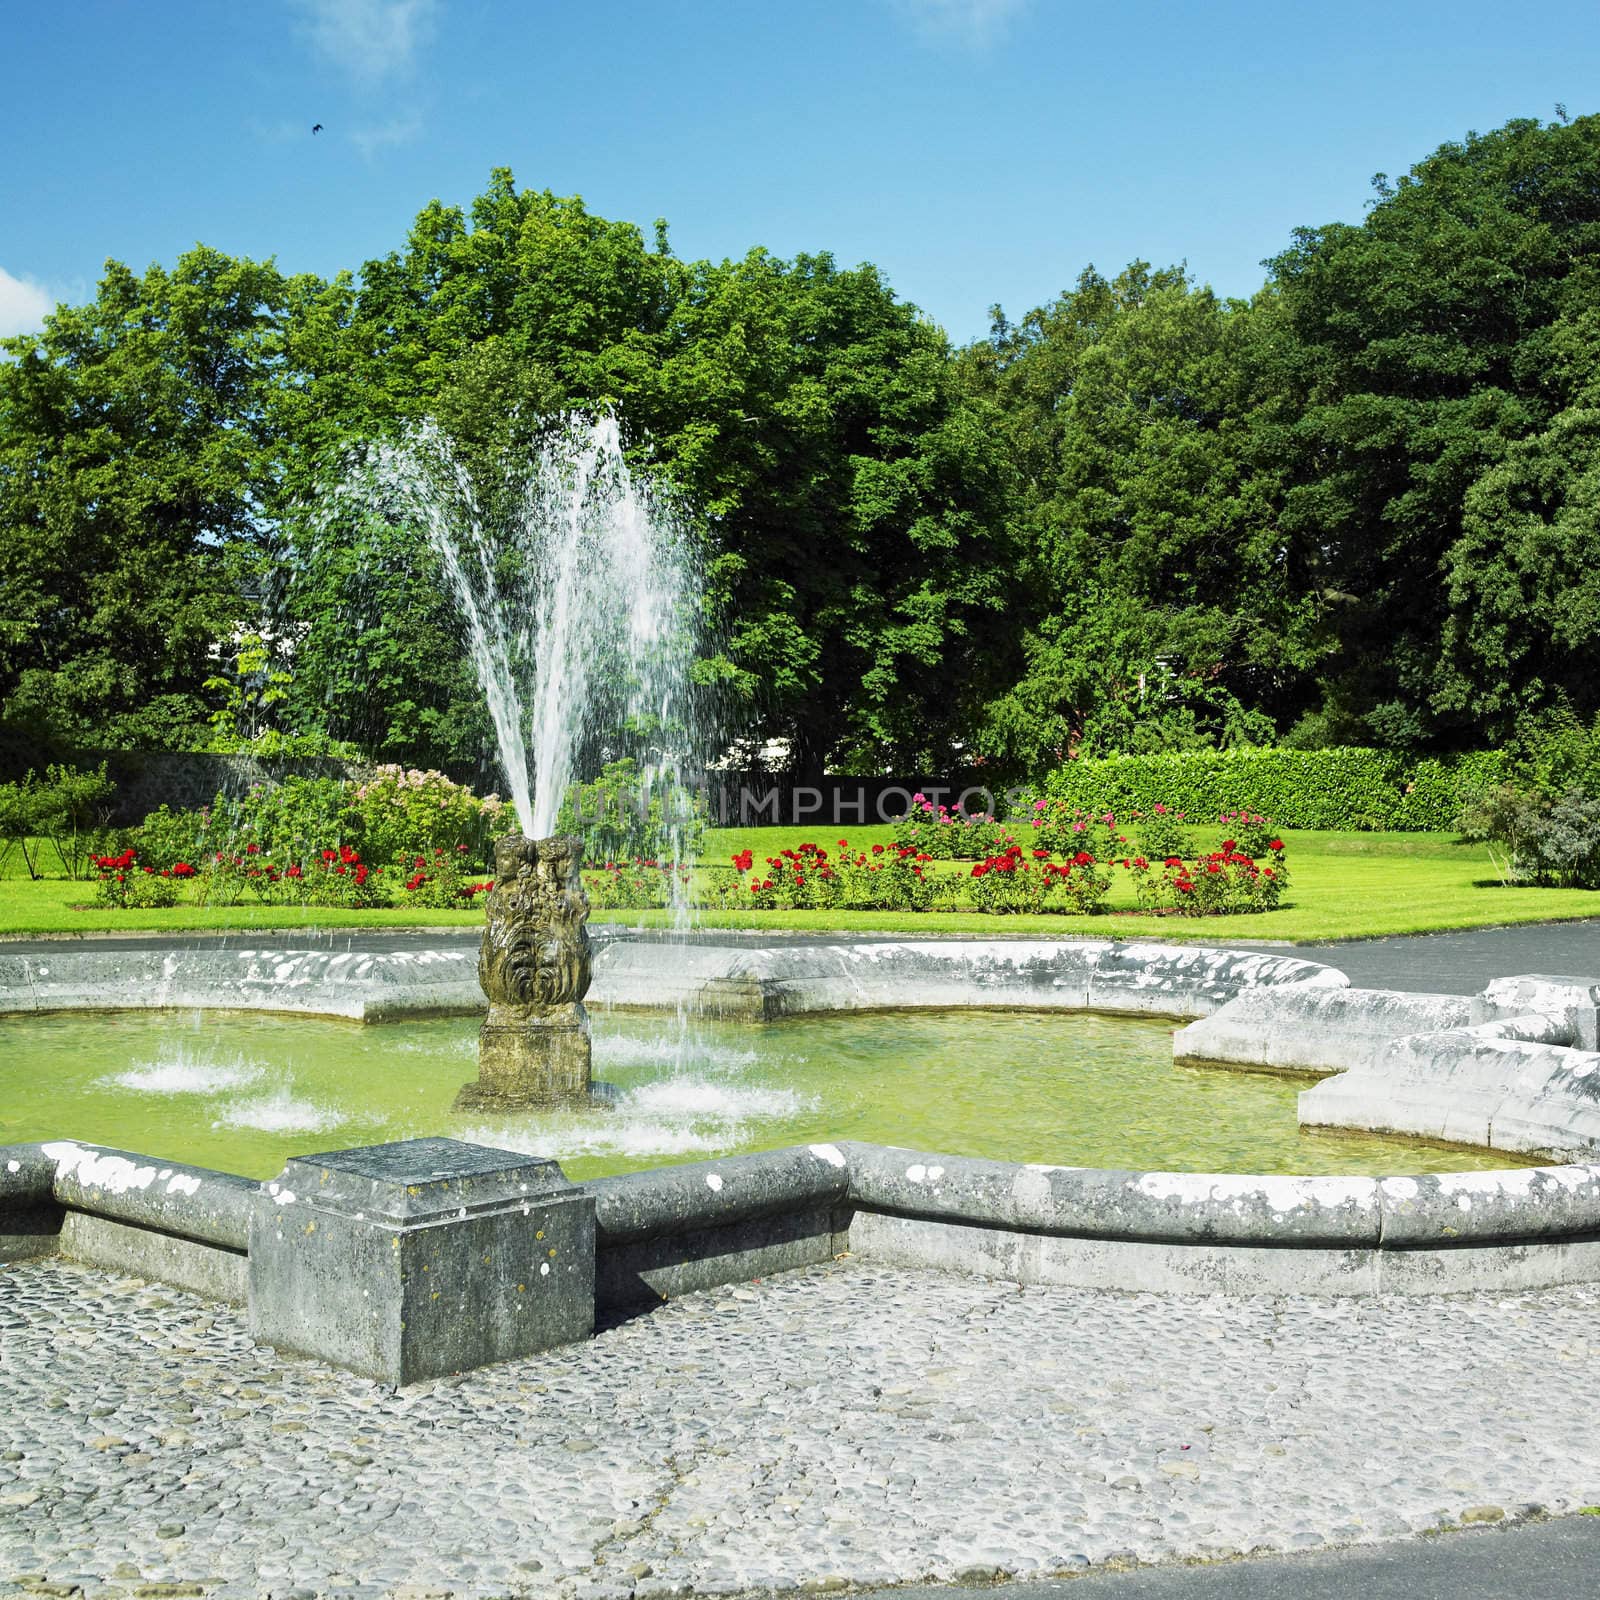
[950, 833]
[637, 885]
[881, 877]
[1226, 882]
[121, 881]
[1014, 881]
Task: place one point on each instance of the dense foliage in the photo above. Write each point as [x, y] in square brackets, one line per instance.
[1362, 508]
[1340, 787]
[1542, 819]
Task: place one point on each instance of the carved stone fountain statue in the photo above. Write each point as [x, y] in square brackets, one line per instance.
[533, 1049]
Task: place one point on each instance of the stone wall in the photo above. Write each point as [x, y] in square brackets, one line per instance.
[188, 779]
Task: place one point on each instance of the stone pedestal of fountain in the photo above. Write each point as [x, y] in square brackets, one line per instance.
[533, 1048]
[418, 1259]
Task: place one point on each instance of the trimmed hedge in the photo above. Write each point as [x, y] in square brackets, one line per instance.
[1344, 787]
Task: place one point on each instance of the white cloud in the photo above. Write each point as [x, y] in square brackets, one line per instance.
[974, 22]
[23, 305]
[372, 40]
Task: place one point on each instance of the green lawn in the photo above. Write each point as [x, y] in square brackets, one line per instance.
[1345, 886]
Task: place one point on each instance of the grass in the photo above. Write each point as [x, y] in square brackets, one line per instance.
[1345, 886]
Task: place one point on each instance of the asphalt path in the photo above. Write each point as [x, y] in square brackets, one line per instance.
[1556, 1560]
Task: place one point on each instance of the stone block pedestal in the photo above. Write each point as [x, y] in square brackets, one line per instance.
[415, 1260]
[529, 1062]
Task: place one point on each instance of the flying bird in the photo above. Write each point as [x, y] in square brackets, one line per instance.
[316, 127]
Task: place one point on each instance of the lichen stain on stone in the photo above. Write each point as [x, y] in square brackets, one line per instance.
[95, 1169]
[1279, 1194]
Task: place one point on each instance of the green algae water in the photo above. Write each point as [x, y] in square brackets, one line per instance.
[242, 1092]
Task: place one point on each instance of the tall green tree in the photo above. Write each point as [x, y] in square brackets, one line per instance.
[856, 569]
[137, 462]
[1524, 575]
[1162, 603]
[1419, 355]
[858, 563]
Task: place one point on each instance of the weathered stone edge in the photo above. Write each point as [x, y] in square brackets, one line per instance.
[772, 980]
[1426, 1211]
[193, 1203]
[1434, 1211]
[636, 1206]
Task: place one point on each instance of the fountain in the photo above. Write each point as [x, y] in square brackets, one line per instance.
[582, 605]
[533, 1048]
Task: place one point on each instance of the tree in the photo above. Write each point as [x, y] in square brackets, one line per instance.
[858, 564]
[1419, 354]
[136, 466]
[1162, 604]
[854, 573]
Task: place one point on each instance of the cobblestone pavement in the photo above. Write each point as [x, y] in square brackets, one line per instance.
[843, 1423]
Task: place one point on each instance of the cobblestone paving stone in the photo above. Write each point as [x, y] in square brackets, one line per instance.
[843, 1423]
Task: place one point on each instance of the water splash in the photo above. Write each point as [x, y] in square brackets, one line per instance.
[581, 608]
[673, 1116]
[279, 1112]
[579, 589]
[183, 1071]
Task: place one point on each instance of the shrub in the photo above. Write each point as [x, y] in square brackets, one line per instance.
[1250, 834]
[124, 883]
[435, 878]
[813, 878]
[67, 806]
[947, 833]
[1568, 843]
[290, 819]
[1226, 882]
[1069, 831]
[166, 836]
[1339, 787]
[1013, 881]
[341, 878]
[399, 810]
[1539, 838]
[229, 879]
[636, 885]
[1162, 831]
[618, 820]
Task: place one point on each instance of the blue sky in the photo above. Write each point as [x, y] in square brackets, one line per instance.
[977, 150]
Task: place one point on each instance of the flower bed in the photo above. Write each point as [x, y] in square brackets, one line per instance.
[328, 877]
[882, 877]
[951, 833]
[1078, 882]
[637, 885]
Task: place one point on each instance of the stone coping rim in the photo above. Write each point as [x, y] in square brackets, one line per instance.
[1421, 1212]
[1109, 974]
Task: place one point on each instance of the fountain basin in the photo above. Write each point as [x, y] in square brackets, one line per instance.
[1095, 1207]
[245, 1093]
[754, 982]
[689, 1227]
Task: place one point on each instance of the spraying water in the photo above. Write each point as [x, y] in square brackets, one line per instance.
[580, 607]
